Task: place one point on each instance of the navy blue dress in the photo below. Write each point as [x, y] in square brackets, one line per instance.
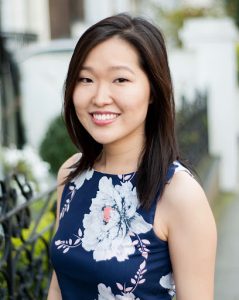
[105, 247]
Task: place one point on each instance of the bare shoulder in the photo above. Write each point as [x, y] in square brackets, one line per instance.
[65, 168]
[186, 205]
[184, 191]
[182, 203]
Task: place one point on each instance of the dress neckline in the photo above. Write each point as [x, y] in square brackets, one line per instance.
[113, 174]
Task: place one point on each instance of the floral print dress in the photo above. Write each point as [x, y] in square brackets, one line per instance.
[105, 247]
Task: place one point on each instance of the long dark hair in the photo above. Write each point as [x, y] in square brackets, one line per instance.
[160, 148]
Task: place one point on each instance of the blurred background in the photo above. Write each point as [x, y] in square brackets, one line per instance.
[37, 39]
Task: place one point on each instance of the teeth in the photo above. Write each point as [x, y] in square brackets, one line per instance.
[104, 117]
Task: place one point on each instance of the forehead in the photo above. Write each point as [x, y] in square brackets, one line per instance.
[113, 50]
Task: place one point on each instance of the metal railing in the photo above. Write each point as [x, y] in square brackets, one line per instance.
[192, 128]
[18, 40]
[11, 125]
[26, 228]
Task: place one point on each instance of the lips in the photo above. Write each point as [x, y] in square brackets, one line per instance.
[103, 118]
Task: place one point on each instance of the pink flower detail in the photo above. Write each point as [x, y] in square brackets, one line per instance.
[106, 213]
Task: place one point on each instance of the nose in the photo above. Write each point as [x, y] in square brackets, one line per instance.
[102, 95]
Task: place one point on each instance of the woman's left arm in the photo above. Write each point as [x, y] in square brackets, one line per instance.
[192, 238]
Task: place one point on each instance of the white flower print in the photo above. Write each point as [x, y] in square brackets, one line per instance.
[66, 205]
[138, 279]
[126, 177]
[167, 282]
[126, 296]
[66, 245]
[141, 245]
[78, 182]
[105, 293]
[111, 219]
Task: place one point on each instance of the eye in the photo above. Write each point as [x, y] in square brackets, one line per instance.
[84, 80]
[121, 80]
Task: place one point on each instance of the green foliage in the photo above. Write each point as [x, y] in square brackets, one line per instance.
[20, 166]
[176, 18]
[31, 246]
[232, 7]
[30, 253]
[47, 218]
[56, 147]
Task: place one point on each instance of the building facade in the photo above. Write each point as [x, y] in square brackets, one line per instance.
[199, 64]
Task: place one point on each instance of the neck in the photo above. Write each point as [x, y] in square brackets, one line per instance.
[120, 158]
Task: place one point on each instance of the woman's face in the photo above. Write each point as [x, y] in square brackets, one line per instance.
[112, 94]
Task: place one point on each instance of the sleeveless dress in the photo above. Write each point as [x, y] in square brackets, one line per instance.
[105, 247]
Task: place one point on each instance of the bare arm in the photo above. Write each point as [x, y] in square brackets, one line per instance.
[191, 233]
[54, 292]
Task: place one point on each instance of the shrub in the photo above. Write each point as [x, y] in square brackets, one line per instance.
[232, 8]
[56, 146]
[174, 19]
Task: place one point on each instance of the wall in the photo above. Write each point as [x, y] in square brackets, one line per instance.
[208, 61]
[43, 71]
[26, 16]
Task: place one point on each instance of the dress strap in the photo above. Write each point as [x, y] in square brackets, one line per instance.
[178, 167]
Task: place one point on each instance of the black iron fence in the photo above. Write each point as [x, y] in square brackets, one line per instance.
[11, 125]
[26, 228]
[192, 128]
[16, 40]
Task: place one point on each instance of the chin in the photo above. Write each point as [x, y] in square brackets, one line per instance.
[104, 140]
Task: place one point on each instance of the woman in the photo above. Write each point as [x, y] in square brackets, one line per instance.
[132, 221]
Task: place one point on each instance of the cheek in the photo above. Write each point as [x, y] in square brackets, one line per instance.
[141, 93]
[137, 101]
[82, 99]
[135, 96]
[78, 100]
[135, 112]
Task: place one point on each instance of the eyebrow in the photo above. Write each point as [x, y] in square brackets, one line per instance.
[110, 68]
[122, 67]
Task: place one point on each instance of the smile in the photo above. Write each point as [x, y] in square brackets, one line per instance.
[104, 117]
